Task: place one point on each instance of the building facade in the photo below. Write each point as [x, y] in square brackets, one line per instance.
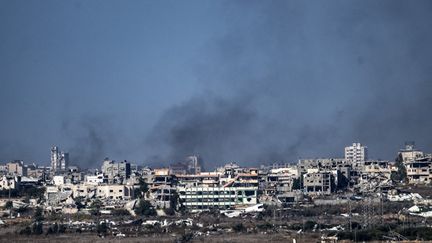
[356, 153]
[59, 160]
[202, 198]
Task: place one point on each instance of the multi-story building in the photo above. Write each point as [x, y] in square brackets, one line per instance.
[59, 160]
[96, 179]
[16, 168]
[190, 166]
[221, 197]
[419, 171]
[316, 181]
[9, 183]
[3, 169]
[378, 167]
[210, 179]
[279, 182]
[193, 164]
[410, 153]
[222, 189]
[58, 180]
[116, 171]
[35, 171]
[322, 164]
[356, 153]
[161, 196]
[118, 192]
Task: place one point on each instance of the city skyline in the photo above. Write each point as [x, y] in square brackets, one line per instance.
[355, 152]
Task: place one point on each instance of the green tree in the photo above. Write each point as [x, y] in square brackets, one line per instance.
[62, 229]
[174, 200]
[141, 189]
[25, 231]
[145, 208]
[102, 228]
[309, 225]
[296, 184]
[34, 192]
[53, 229]
[401, 174]
[239, 227]
[38, 214]
[37, 228]
[79, 202]
[186, 237]
[95, 207]
[8, 205]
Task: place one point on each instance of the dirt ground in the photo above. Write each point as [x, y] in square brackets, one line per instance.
[241, 238]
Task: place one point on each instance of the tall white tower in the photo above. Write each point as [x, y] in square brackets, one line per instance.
[356, 153]
[64, 161]
[59, 160]
[55, 158]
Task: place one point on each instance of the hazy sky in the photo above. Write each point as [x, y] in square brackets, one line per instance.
[247, 81]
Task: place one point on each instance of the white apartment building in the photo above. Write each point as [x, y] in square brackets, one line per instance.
[58, 180]
[96, 179]
[7, 183]
[118, 192]
[356, 153]
[410, 153]
[202, 198]
[59, 160]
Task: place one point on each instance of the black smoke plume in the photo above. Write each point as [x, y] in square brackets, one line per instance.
[294, 79]
[90, 137]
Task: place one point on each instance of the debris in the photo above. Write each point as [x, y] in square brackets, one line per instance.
[414, 209]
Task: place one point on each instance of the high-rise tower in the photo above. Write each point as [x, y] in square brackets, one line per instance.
[59, 160]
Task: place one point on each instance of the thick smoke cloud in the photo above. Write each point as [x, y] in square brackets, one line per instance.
[91, 138]
[294, 79]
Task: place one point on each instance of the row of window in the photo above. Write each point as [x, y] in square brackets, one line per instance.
[210, 200]
[246, 193]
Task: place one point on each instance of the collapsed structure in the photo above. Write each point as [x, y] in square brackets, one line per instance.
[117, 184]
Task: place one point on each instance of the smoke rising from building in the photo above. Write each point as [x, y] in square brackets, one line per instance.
[90, 139]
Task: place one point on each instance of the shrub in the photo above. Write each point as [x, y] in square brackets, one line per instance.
[25, 231]
[62, 229]
[37, 228]
[309, 225]
[169, 211]
[8, 205]
[145, 208]
[265, 226]
[95, 207]
[79, 202]
[120, 212]
[38, 214]
[53, 229]
[239, 227]
[102, 228]
[186, 237]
